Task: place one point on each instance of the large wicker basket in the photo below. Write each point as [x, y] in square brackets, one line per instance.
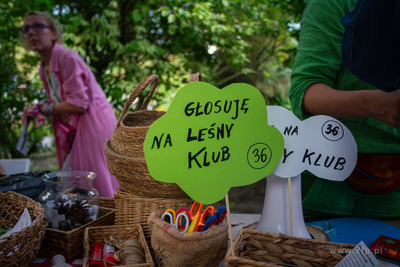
[132, 209]
[99, 233]
[258, 248]
[133, 177]
[20, 248]
[70, 243]
[124, 150]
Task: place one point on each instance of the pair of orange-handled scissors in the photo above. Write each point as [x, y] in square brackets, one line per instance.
[201, 220]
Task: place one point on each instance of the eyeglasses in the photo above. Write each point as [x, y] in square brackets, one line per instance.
[35, 27]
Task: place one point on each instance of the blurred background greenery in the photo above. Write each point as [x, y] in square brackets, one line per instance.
[124, 41]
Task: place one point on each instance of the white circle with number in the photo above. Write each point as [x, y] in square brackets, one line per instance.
[332, 130]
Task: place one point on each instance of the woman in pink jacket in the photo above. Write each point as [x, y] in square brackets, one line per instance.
[76, 103]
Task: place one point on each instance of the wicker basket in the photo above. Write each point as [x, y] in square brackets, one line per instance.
[107, 202]
[133, 177]
[258, 248]
[99, 233]
[20, 248]
[124, 150]
[70, 243]
[132, 209]
[131, 130]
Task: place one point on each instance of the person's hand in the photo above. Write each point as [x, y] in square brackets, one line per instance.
[387, 108]
[27, 113]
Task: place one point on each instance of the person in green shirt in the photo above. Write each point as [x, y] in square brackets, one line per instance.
[321, 85]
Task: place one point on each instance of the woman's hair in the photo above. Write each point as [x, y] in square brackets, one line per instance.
[52, 23]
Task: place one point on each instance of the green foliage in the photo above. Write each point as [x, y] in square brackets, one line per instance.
[124, 41]
[16, 88]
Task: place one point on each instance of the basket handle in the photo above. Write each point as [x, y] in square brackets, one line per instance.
[151, 79]
[197, 77]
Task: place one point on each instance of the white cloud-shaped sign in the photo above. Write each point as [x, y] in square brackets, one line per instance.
[320, 144]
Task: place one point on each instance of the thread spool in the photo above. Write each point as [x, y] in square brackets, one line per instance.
[97, 255]
[109, 252]
[131, 253]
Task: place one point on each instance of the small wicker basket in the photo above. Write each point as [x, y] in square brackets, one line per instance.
[99, 233]
[131, 130]
[70, 243]
[20, 248]
[132, 209]
[259, 248]
[124, 150]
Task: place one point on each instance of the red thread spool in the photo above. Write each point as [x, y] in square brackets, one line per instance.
[97, 255]
[109, 251]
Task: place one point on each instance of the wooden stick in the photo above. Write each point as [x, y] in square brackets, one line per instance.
[290, 205]
[228, 213]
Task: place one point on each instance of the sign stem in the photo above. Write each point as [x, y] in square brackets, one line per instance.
[228, 213]
[290, 205]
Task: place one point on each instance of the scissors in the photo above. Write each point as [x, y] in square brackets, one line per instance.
[180, 220]
[221, 212]
[215, 219]
[201, 220]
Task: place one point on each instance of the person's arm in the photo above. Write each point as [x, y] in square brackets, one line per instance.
[322, 99]
[62, 108]
[75, 89]
[65, 107]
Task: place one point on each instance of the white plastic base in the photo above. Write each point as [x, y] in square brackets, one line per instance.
[275, 217]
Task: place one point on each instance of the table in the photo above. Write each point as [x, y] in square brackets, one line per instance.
[348, 230]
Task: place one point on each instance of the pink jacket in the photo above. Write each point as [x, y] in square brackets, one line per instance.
[79, 87]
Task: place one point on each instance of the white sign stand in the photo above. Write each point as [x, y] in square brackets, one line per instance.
[275, 217]
[319, 144]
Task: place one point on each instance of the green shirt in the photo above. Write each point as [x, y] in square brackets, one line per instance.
[319, 60]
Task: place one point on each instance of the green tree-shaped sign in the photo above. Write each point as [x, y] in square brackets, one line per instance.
[213, 139]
